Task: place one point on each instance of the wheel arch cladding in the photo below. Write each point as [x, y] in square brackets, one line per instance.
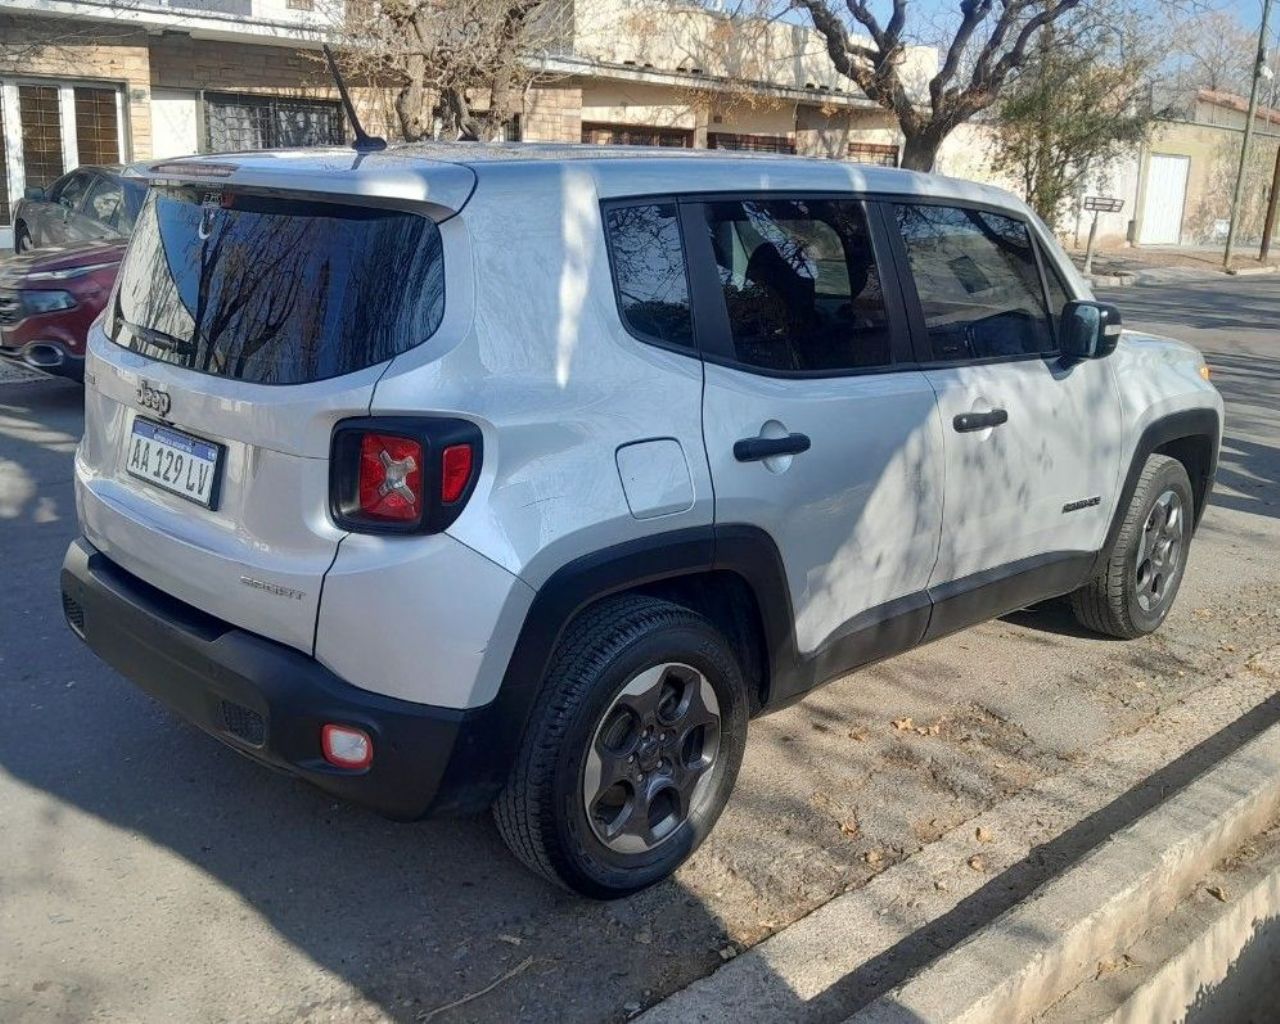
[731, 575]
[1191, 436]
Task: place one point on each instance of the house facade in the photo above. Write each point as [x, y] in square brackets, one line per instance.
[84, 81]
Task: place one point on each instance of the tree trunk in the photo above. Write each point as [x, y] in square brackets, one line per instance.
[920, 150]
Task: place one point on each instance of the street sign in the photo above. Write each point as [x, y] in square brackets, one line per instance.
[1103, 204]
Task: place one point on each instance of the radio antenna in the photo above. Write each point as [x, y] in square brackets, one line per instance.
[365, 143]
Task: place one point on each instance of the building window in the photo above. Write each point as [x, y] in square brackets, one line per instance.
[41, 134]
[873, 153]
[511, 129]
[635, 135]
[237, 122]
[301, 5]
[97, 126]
[751, 143]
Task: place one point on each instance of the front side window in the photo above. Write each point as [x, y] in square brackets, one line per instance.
[68, 191]
[275, 291]
[649, 272]
[978, 282]
[800, 284]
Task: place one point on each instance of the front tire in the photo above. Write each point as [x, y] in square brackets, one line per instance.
[21, 238]
[1133, 592]
[631, 751]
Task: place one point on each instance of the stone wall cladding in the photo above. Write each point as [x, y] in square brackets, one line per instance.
[59, 49]
[552, 114]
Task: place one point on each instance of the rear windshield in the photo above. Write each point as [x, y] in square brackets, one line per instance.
[275, 291]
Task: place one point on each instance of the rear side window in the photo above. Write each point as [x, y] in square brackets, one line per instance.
[649, 272]
[978, 282]
[800, 284]
[276, 291]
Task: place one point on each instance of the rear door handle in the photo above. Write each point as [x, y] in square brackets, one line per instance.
[753, 449]
[969, 421]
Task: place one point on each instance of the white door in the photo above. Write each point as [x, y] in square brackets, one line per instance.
[1165, 197]
[1031, 459]
[174, 125]
[812, 435]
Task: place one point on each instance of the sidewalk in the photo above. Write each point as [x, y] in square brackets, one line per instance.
[1161, 264]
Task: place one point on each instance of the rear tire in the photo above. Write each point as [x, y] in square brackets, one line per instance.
[631, 750]
[1135, 588]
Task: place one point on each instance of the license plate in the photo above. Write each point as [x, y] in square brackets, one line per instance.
[176, 462]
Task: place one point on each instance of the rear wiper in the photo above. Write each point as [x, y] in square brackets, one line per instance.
[159, 339]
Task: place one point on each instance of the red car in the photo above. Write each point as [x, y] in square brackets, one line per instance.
[48, 299]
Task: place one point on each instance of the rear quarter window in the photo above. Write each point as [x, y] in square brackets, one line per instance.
[276, 291]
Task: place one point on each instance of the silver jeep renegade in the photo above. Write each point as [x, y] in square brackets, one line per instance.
[454, 477]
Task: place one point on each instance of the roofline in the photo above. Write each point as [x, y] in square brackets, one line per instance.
[592, 67]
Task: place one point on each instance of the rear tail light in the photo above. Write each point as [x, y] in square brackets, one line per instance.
[402, 475]
[390, 478]
[345, 746]
[455, 472]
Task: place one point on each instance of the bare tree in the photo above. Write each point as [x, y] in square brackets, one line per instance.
[456, 70]
[1216, 52]
[986, 47]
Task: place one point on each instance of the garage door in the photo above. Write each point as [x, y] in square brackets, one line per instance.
[1165, 197]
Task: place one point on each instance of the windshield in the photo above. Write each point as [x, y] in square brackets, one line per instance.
[275, 291]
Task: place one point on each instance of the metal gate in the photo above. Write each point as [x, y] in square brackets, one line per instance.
[1166, 195]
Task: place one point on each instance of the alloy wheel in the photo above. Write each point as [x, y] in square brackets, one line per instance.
[1159, 551]
[649, 766]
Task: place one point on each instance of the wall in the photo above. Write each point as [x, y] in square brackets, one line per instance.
[674, 36]
[827, 133]
[552, 114]
[35, 47]
[1215, 158]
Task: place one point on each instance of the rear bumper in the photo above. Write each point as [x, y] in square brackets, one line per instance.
[269, 701]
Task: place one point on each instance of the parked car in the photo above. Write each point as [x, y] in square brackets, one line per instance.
[463, 476]
[48, 299]
[87, 205]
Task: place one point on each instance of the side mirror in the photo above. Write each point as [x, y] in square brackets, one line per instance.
[35, 193]
[1089, 330]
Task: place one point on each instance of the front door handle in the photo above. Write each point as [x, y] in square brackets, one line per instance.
[969, 421]
[753, 449]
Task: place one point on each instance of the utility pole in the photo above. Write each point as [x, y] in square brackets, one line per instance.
[1268, 226]
[1248, 133]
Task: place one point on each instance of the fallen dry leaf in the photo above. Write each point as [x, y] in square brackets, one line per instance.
[849, 828]
[1218, 893]
[873, 857]
[857, 734]
[977, 862]
[983, 834]
[510, 940]
[903, 724]
[1111, 966]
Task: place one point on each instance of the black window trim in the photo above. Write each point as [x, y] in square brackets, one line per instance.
[909, 345]
[907, 284]
[711, 317]
[607, 206]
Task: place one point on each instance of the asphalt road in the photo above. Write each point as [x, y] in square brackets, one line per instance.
[149, 874]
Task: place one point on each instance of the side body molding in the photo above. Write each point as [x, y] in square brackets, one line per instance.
[482, 758]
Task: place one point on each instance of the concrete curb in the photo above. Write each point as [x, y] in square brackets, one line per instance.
[1250, 271]
[1206, 962]
[1121, 280]
[1045, 946]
